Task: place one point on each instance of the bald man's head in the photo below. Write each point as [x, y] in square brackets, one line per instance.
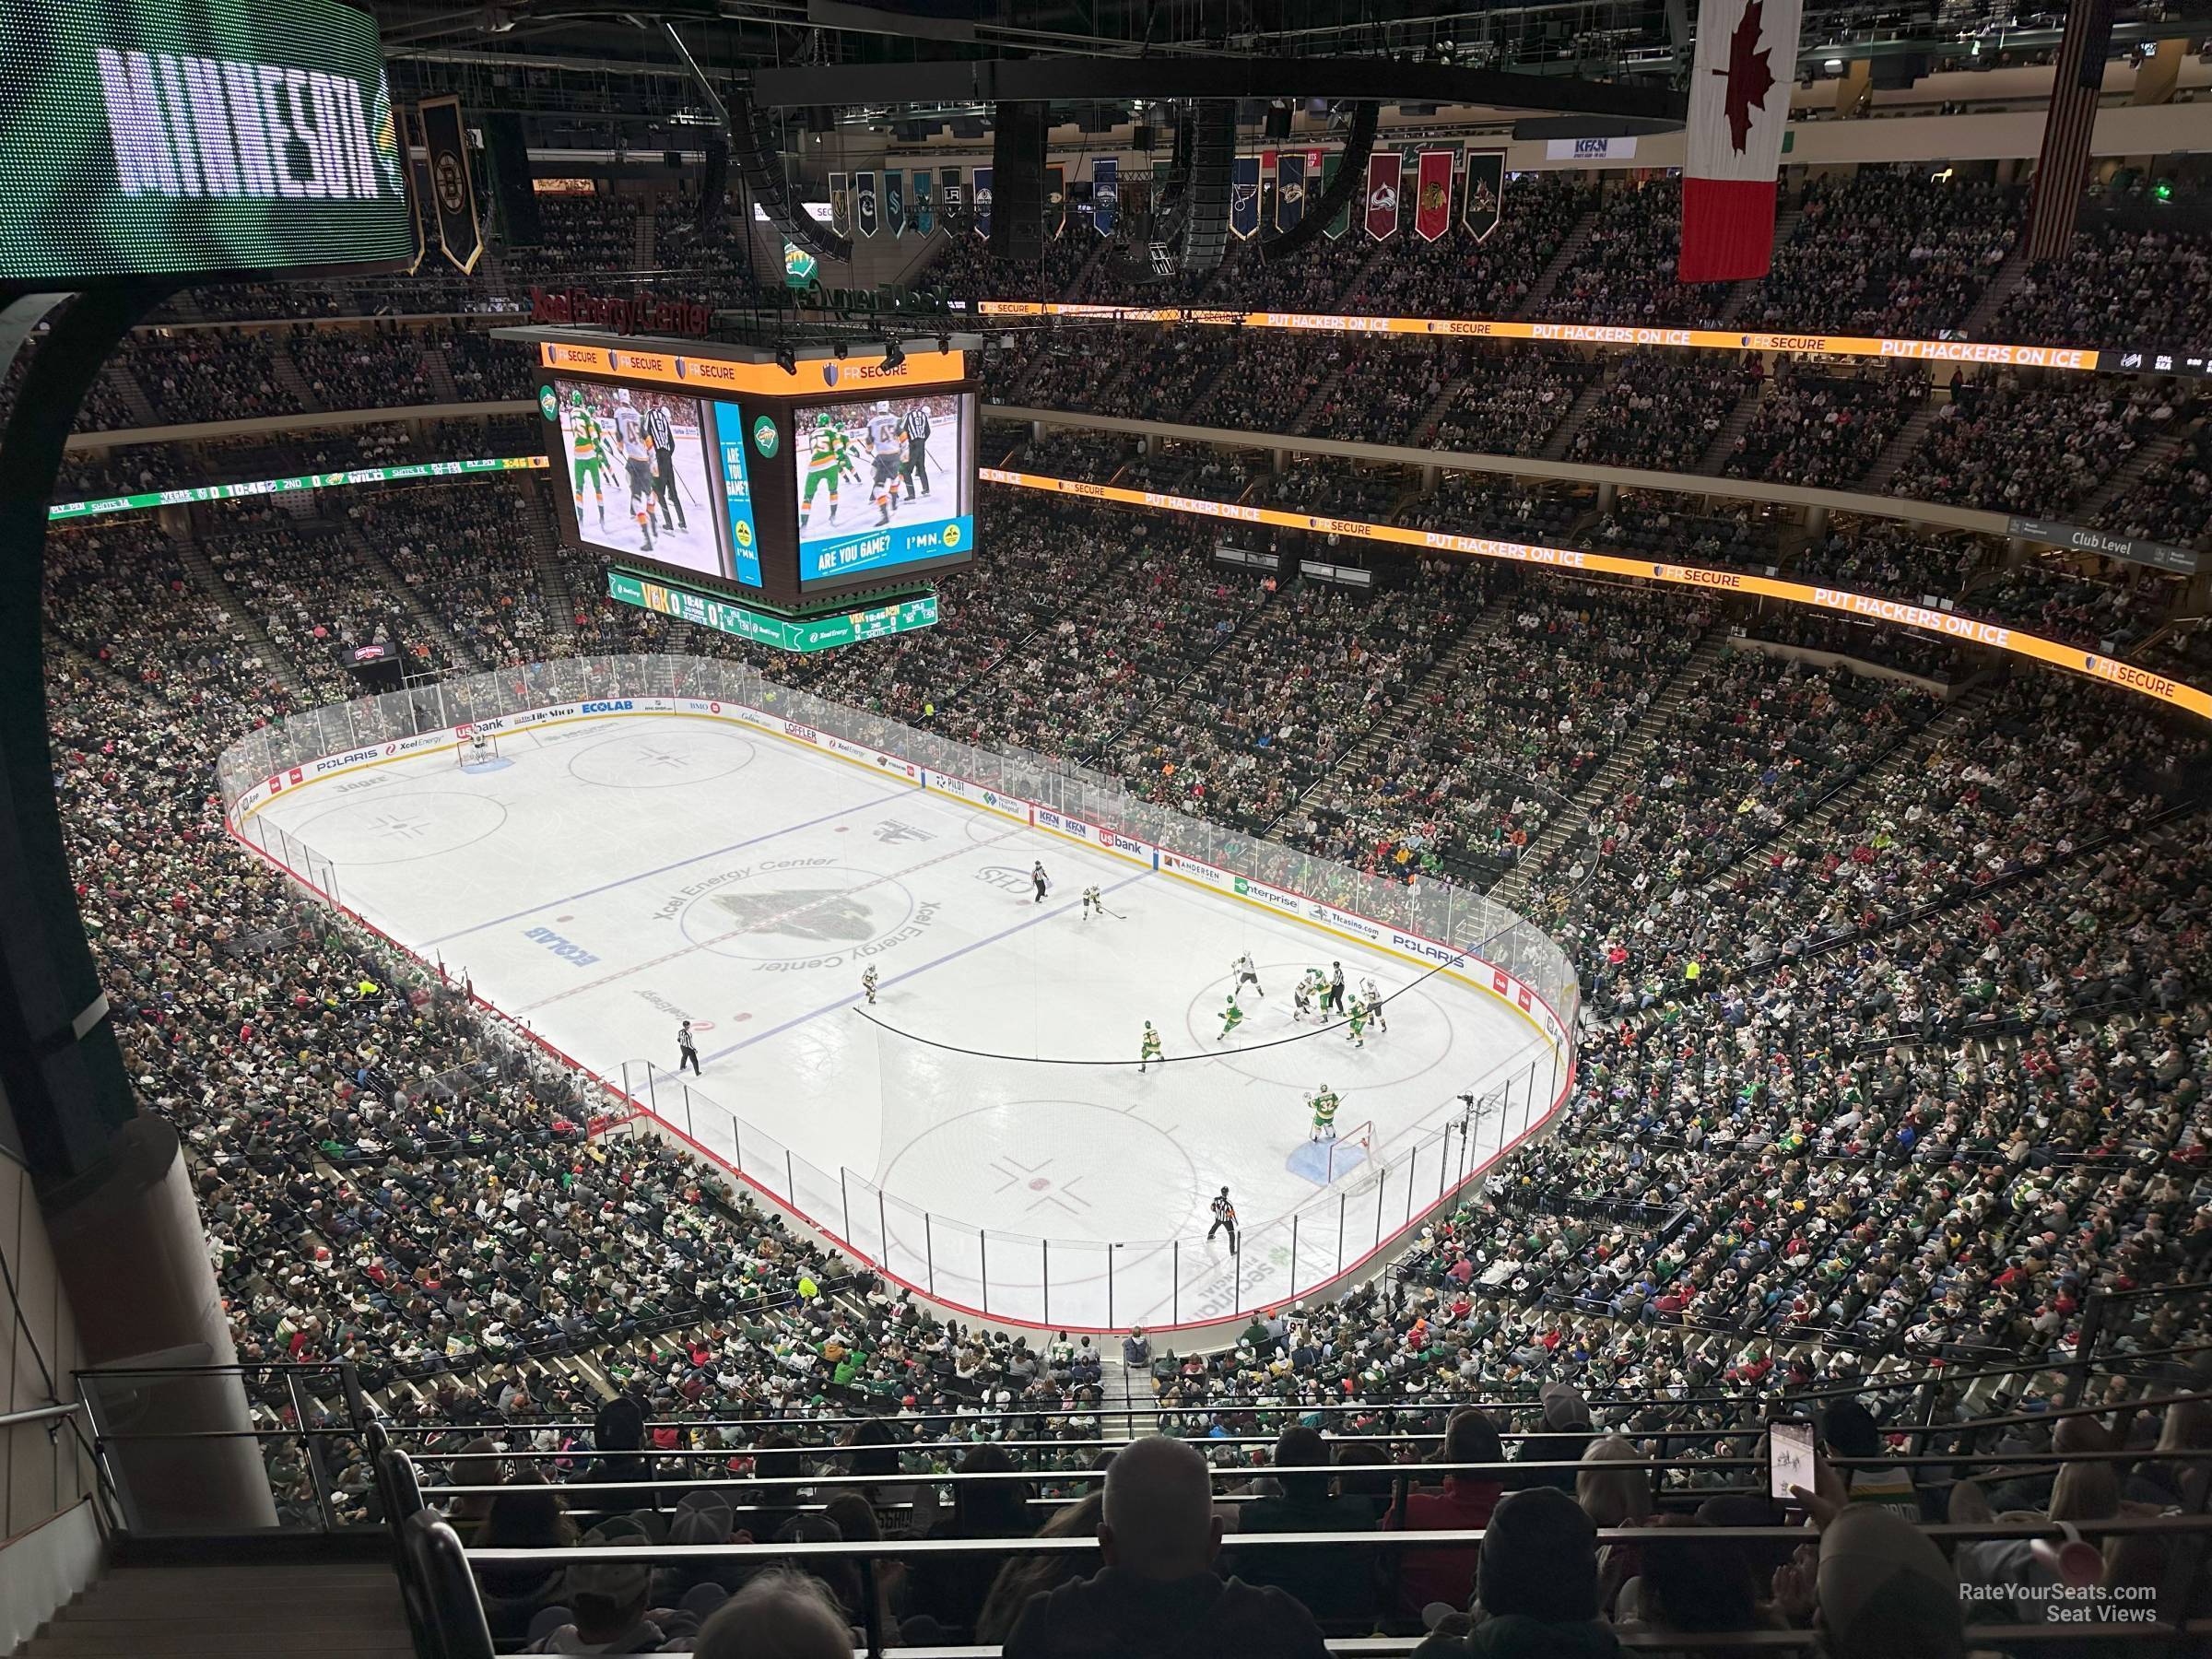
[1158, 1520]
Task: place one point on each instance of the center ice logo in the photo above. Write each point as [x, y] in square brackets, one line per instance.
[828, 916]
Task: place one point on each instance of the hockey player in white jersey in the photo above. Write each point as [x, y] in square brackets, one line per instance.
[885, 442]
[1092, 901]
[1372, 997]
[1246, 974]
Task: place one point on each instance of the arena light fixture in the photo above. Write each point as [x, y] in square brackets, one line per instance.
[787, 359]
[894, 354]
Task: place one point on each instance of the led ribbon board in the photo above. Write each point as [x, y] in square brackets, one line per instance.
[145, 139]
[99, 505]
[1966, 631]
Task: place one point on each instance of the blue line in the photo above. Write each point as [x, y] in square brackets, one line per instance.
[679, 863]
[950, 955]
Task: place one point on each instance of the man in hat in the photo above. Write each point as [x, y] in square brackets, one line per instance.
[607, 1600]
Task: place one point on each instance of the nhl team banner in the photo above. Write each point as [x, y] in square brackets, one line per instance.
[1055, 200]
[1340, 223]
[1289, 190]
[952, 196]
[1432, 195]
[1244, 197]
[1383, 171]
[453, 186]
[1739, 108]
[979, 209]
[841, 204]
[894, 201]
[1483, 206]
[863, 203]
[925, 216]
[1105, 194]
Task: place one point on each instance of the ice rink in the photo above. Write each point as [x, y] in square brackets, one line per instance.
[603, 880]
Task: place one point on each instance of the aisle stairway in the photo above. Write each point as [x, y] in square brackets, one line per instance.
[349, 530]
[545, 550]
[330, 1611]
[1738, 423]
[2125, 476]
[1587, 399]
[1515, 888]
[287, 373]
[1898, 451]
[1539, 295]
[2001, 289]
[245, 625]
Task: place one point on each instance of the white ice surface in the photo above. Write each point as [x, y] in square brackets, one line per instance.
[609, 878]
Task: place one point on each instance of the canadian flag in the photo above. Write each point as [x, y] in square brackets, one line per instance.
[1739, 104]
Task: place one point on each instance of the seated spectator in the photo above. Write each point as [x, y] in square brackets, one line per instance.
[781, 1615]
[1538, 1593]
[1447, 1575]
[1158, 1593]
[1848, 1430]
[1338, 1584]
[952, 1588]
[1022, 1577]
[607, 1601]
[1882, 1590]
[1566, 1432]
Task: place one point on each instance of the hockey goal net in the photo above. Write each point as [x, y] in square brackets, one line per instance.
[472, 747]
[1353, 1148]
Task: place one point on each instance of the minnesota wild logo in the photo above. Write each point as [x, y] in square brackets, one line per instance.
[827, 915]
[548, 404]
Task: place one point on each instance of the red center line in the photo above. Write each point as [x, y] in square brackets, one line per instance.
[767, 926]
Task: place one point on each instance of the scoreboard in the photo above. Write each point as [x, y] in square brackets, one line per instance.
[796, 489]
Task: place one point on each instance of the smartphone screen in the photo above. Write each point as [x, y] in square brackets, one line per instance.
[1789, 1458]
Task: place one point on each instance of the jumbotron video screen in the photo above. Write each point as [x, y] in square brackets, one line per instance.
[638, 473]
[883, 484]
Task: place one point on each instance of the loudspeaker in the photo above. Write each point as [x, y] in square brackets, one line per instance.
[1277, 127]
[1213, 143]
[713, 185]
[513, 201]
[753, 146]
[1017, 183]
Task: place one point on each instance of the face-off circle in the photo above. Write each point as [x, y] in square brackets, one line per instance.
[662, 758]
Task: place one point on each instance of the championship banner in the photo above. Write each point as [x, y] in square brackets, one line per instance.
[1382, 174]
[453, 189]
[1244, 197]
[894, 201]
[1432, 195]
[1105, 194]
[863, 203]
[925, 216]
[1289, 190]
[979, 209]
[1055, 200]
[952, 196]
[841, 204]
[1340, 225]
[1484, 205]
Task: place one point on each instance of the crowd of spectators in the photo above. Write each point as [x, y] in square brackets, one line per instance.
[2007, 444]
[1458, 275]
[1887, 251]
[2116, 285]
[374, 367]
[456, 547]
[2171, 502]
[1505, 402]
[1661, 411]
[1826, 431]
[1625, 271]
[207, 374]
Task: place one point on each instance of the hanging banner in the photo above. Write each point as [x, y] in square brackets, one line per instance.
[925, 216]
[1484, 205]
[1432, 195]
[1105, 194]
[1055, 200]
[1244, 197]
[979, 209]
[1341, 222]
[452, 188]
[799, 266]
[863, 203]
[1382, 194]
[894, 202]
[1289, 190]
[952, 197]
[841, 204]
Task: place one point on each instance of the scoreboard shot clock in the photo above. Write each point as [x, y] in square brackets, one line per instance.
[829, 489]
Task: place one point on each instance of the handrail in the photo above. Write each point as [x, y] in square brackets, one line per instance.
[40, 1413]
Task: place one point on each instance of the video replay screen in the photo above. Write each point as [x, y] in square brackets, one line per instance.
[884, 483]
[639, 474]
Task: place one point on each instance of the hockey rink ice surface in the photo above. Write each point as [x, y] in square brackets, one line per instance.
[603, 880]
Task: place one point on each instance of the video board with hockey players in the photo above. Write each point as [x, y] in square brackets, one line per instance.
[884, 484]
[635, 462]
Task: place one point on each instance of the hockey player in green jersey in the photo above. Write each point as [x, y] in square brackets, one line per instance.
[1151, 1048]
[1323, 1105]
[867, 983]
[828, 460]
[1358, 1021]
[1231, 1017]
[587, 452]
